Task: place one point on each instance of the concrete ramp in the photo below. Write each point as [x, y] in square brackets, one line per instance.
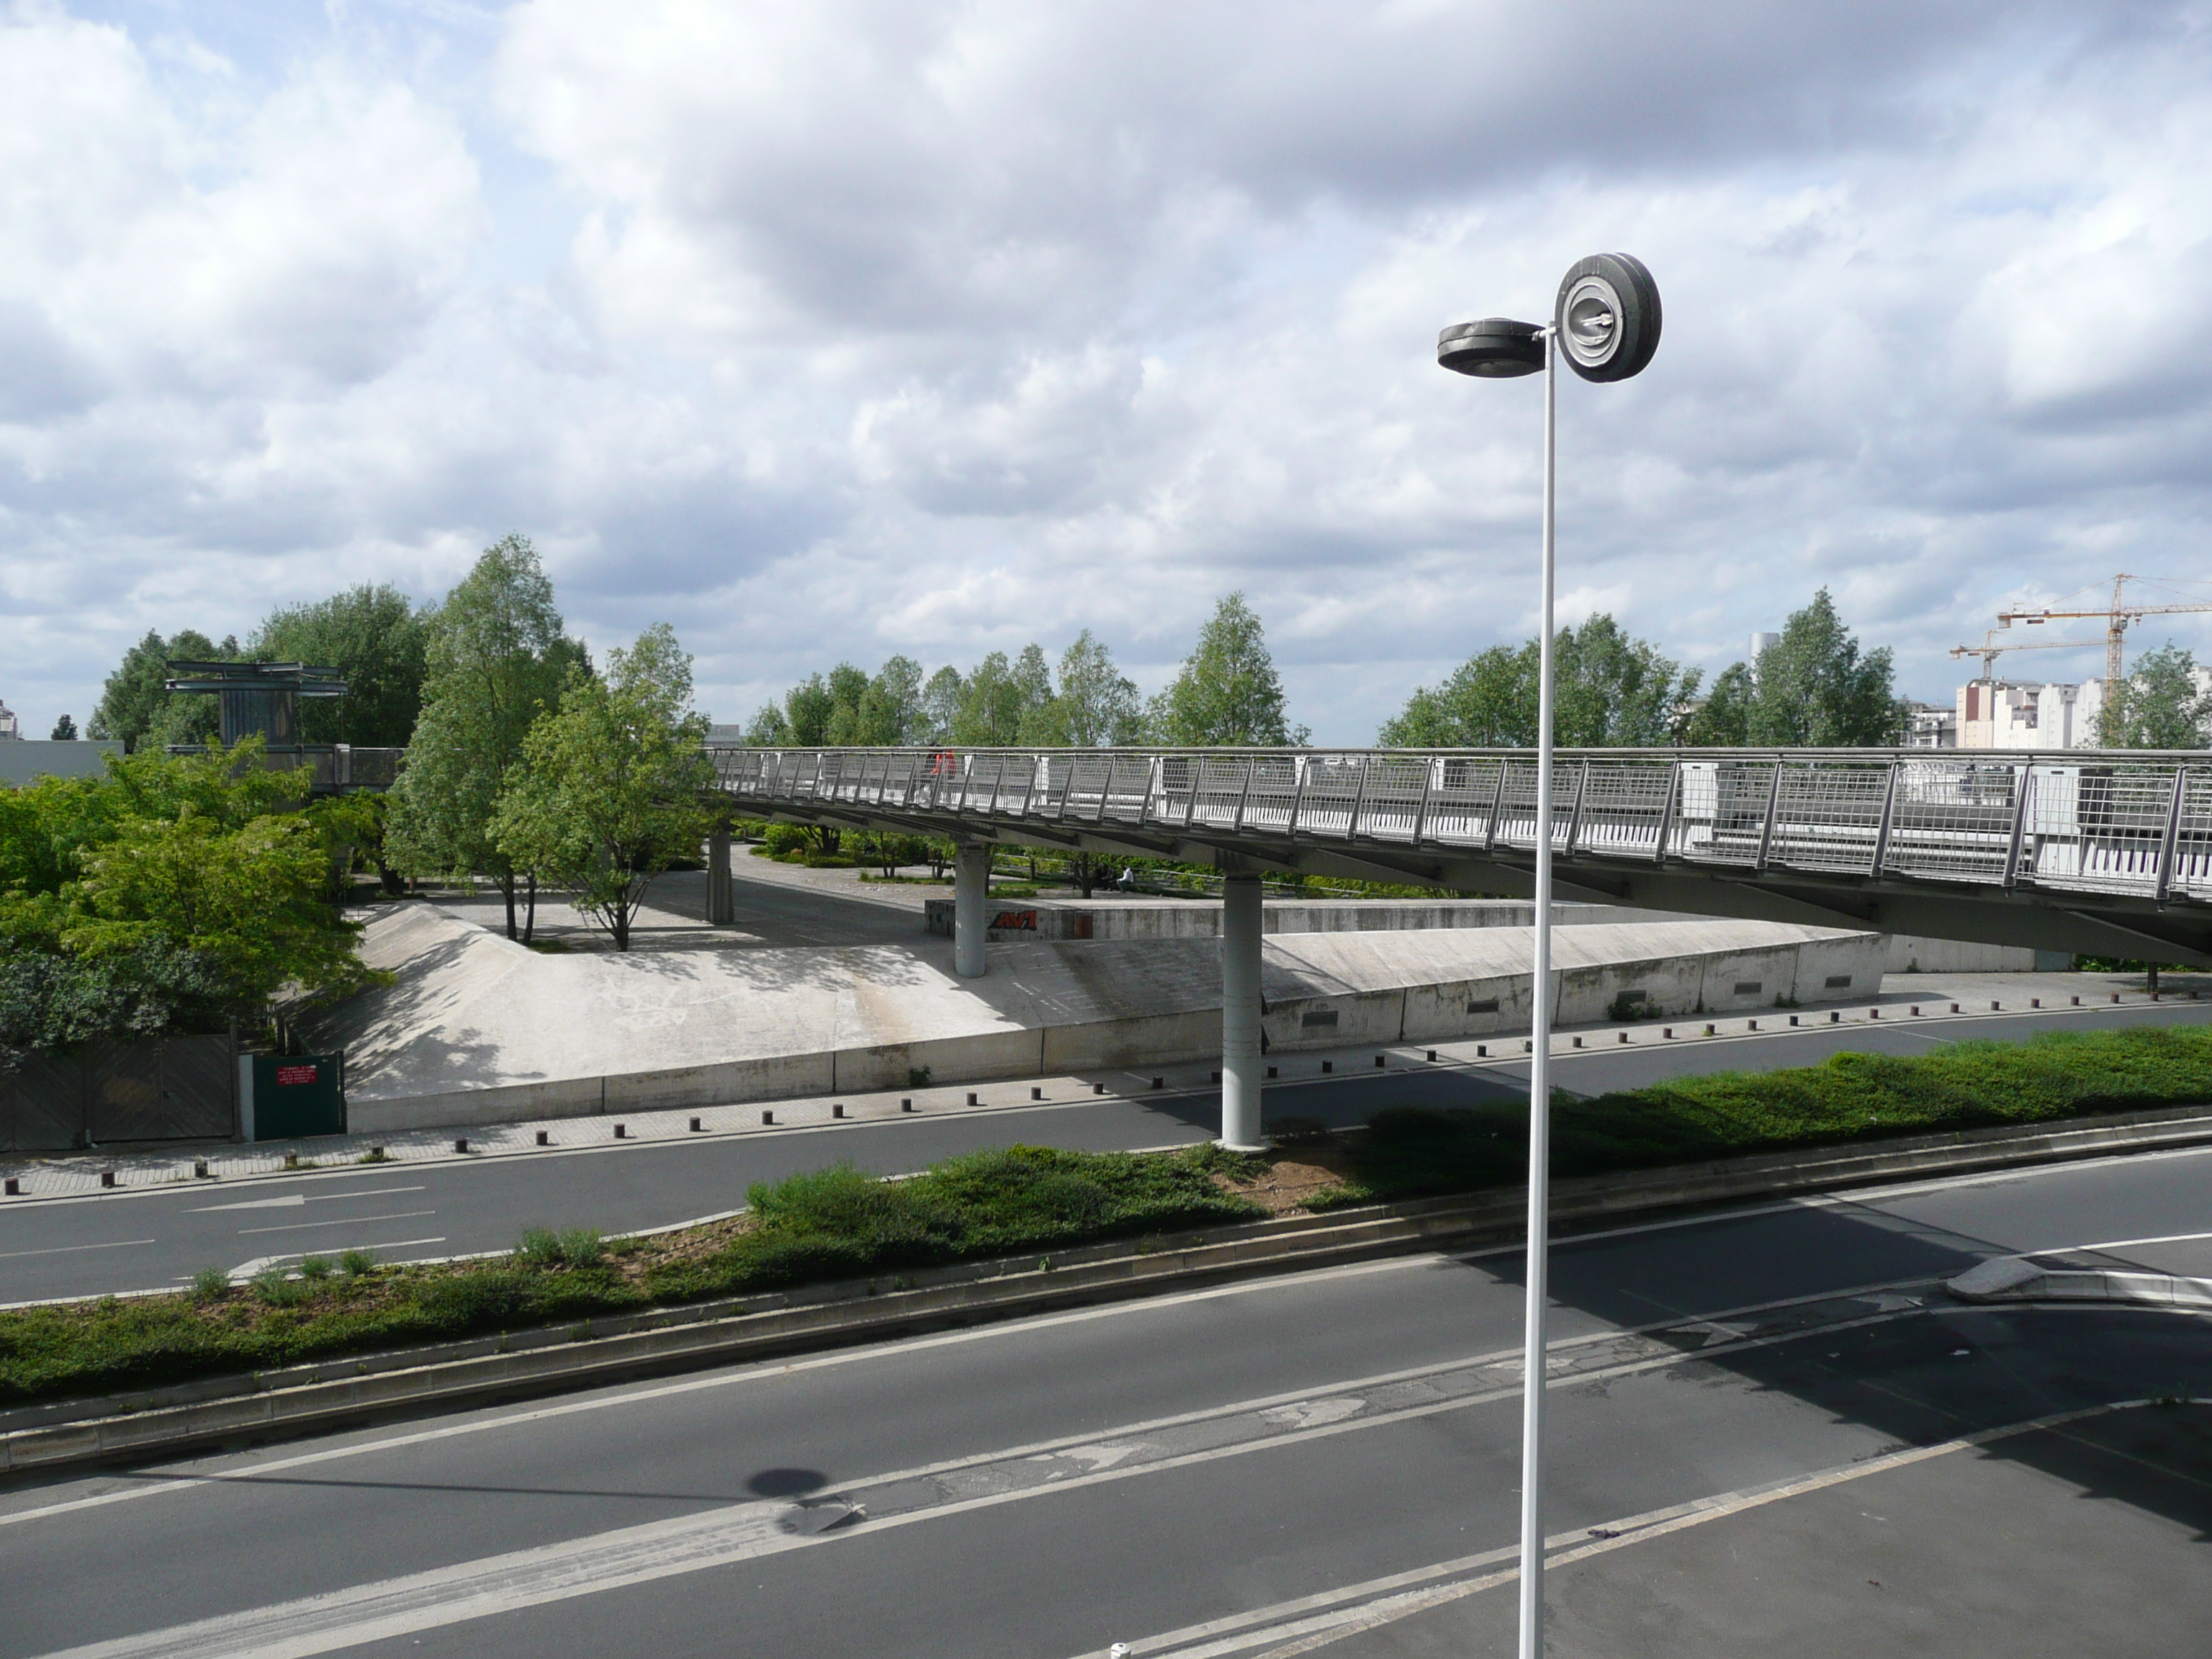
[478, 1030]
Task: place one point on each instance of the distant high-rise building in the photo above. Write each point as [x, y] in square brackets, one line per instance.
[11, 729]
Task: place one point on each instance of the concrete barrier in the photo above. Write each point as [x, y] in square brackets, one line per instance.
[1111, 916]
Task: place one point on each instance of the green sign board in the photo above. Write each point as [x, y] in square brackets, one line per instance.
[289, 1096]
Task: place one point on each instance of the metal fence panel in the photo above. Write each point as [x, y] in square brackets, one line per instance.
[42, 1104]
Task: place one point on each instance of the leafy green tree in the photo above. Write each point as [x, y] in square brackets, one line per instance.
[889, 712]
[134, 699]
[939, 706]
[1724, 720]
[1228, 693]
[2158, 706]
[377, 640]
[1097, 705]
[1001, 699]
[495, 659]
[770, 728]
[1814, 689]
[808, 708]
[64, 730]
[1611, 691]
[611, 791]
[169, 895]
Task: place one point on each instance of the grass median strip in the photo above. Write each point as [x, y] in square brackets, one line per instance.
[836, 1223]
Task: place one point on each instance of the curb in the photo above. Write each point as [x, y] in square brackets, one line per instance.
[2021, 1278]
[65, 1433]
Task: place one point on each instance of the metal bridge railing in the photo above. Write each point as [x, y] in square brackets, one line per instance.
[2102, 821]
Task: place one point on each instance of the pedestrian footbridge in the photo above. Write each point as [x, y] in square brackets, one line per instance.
[2103, 852]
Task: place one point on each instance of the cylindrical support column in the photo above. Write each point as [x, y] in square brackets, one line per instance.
[1240, 1070]
[971, 888]
[721, 899]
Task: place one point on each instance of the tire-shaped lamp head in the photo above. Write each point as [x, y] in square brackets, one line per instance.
[1608, 317]
[1495, 349]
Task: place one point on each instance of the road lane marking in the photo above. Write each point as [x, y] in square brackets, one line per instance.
[624, 1557]
[344, 1221]
[71, 1249]
[293, 1200]
[1311, 1622]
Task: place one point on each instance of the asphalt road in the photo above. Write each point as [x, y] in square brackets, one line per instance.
[1751, 1414]
[154, 1239]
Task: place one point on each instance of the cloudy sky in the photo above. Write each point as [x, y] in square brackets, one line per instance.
[834, 330]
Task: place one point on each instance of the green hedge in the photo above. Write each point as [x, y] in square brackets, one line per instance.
[1414, 1151]
[832, 1223]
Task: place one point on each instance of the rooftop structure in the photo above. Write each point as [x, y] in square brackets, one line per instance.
[11, 729]
[259, 699]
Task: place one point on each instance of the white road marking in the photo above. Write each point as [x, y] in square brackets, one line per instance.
[346, 1221]
[633, 1555]
[2121, 1243]
[71, 1249]
[1315, 1621]
[293, 1200]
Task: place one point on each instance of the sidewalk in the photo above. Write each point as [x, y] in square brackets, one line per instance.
[70, 1174]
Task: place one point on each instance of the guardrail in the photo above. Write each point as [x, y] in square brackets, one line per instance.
[2133, 823]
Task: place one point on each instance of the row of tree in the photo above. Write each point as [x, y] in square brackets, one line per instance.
[1813, 688]
[1227, 693]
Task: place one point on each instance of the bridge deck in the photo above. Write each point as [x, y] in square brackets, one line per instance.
[2106, 851]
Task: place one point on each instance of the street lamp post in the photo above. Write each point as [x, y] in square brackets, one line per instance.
[1606, 324]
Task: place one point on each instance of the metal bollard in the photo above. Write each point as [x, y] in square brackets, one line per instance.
[107, 1177]
[1482, 1051]
[1036, 1093]
[14, 1188]
[1274, 1071]
[1432, 1053]
[698, 1127]
[199, 1169]
[768, 1118]
[1834, 1017]
[1159, 1083]
[621, 1132]
[1098, 1088]
[906, 1105]
[1380, 1061]
[836, 1111]
[1328, 1066]
[1666, 1031]
[972, 1101]
[545, 1137]
[461, 1144]
[1623, 1036]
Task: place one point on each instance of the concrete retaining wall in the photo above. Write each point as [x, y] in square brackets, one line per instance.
[1077, 1008]
[1111, 917]
[1908, 953]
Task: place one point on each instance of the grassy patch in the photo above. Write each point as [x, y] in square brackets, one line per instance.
[1410, 1151]
[832, 1223]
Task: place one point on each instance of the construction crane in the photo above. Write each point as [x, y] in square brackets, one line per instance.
[1989, 651]
[2116, 618]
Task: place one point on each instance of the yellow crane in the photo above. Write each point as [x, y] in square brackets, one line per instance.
[2116, 616]
[1989, 651]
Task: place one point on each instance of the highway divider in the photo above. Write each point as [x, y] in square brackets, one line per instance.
[231, 1410]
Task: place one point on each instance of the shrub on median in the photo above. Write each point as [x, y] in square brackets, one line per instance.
[831, 1224]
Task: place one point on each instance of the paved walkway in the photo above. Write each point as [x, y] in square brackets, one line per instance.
[1933, 1008]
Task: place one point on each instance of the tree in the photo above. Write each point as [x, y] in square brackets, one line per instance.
[610, 793]
[940, 707]
[64, 730]
[889, 711]
[134, 698]
[2159, 706]
[1611, 690]
[770, 729]
[808, 708]
[1097, 705]
[1724, 720]
[1228, 692]
[999, 698]
[377, 640]
[1814, 689]
[495, 659]
[169, 895]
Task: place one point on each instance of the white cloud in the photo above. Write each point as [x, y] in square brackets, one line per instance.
[936, 328]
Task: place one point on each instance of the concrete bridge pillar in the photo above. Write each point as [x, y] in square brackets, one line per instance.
[1240, 1070]
[721, 899]
[971, 889]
